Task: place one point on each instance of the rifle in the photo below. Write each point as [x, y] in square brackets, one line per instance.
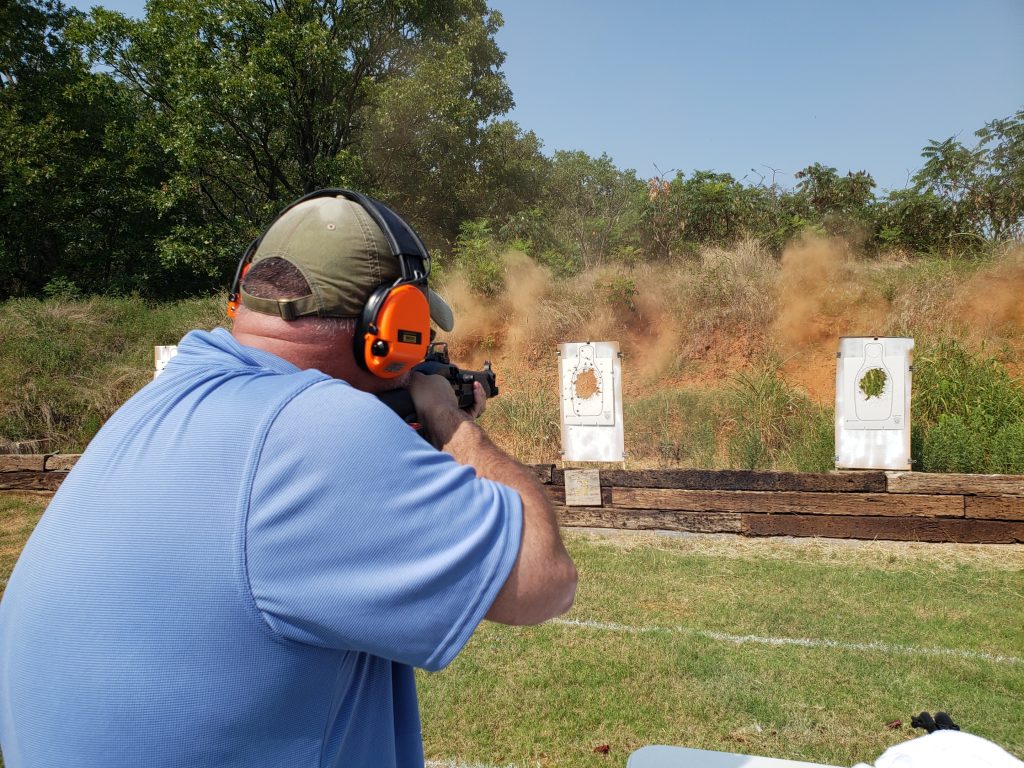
[437, 363]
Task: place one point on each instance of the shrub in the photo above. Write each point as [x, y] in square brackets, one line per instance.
[673, 428]
[619, 292]
[1008, 450]
[953, 445]
[525, 423]
[476, 253]
[560, 264]
[762, 410]
[969, 410]
[813, 446]
[66, 366]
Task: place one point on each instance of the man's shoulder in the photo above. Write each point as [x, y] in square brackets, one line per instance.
[330, 403]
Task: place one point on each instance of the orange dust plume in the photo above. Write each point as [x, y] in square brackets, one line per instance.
[654, 344]
[512, 322]
[807, 286]
[526, 286]
[994, 297]
[475, 318]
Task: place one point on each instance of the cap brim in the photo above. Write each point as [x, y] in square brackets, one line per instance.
[440, 312]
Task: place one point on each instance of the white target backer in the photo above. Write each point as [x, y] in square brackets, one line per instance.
[873, 402]
[590, 387]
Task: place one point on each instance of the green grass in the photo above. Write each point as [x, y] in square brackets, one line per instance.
[673, 428]
[19, 514]
[66, 366]
[548, 695]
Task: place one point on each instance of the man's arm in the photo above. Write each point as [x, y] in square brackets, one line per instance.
[542, 582]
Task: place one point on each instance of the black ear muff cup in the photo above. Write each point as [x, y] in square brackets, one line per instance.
[368, 324]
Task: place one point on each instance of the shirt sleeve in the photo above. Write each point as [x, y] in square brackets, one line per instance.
[361, 536]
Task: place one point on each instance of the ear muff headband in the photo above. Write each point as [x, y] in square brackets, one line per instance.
[393, 332]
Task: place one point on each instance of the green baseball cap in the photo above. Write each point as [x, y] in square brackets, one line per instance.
[344, 256]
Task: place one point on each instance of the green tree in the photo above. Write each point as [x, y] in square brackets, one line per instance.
[430, 144]
[661, 220]
[775, 214]
[262, 101]
[75, 174]
[713, 207]
[479, 257]
[984, 184]
[917, 219]
[593, 206]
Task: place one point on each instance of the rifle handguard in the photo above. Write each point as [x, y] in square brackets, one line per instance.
[437, 363]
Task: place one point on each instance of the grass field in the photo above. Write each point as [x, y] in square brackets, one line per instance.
[797, 649]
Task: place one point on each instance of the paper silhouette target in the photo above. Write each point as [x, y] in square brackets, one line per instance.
[589, 386]
[873, 382]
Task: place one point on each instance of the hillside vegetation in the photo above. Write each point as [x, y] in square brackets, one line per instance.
[729, 358]
[140, 156]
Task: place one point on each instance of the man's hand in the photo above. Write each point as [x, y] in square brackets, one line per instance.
[436, 404]
[479, 401]
[431, 393]
[437, 407]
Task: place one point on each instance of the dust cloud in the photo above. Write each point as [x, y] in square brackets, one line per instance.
[821, 297]
[655, 347]
[526, 285]
[994, 297]
[807, 283]
[511, 323]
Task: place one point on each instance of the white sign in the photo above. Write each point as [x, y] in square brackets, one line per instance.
[582, 488]
[161, 356]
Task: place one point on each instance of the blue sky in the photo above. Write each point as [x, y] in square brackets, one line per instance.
[736, 85]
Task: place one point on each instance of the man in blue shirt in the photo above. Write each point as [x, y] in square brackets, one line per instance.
[251, 556]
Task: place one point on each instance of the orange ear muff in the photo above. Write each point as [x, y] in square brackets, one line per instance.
[394, 331]
[235, 297]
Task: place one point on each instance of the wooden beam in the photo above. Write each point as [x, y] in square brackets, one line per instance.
[31, 481]
[994, 507]
[784, 502]
[61, 461]
[543, 472]
[557, 495]
[650, 520]
[927, 482]
[743, 480]
[888, 528]
[17, 462]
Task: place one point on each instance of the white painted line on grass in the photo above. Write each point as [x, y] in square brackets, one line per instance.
[456, 764]
[800, 641]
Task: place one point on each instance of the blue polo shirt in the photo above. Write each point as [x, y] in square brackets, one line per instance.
[243, 569]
